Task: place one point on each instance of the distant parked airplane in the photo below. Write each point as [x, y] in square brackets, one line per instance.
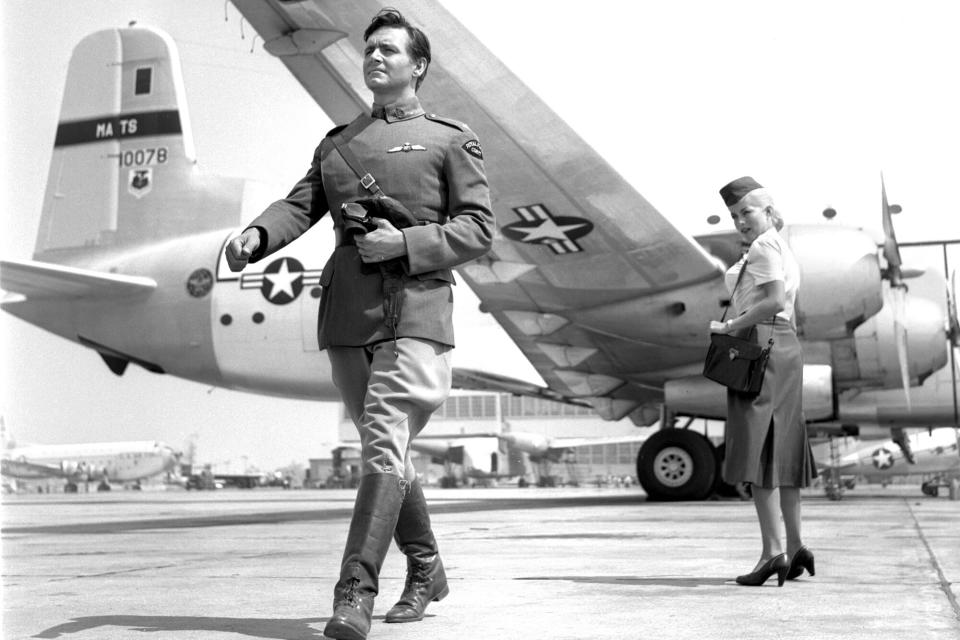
[934, 452]
[102, 462]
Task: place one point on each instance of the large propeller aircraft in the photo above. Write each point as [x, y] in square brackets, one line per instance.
[100, 462]
[603, 294]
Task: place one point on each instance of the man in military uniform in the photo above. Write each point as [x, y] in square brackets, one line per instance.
[386, 310]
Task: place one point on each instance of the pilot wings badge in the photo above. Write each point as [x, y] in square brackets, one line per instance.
[406, 147]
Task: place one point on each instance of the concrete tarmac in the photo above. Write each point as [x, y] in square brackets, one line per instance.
[523, 564]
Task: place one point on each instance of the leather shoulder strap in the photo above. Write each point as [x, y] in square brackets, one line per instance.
[739, 278]
[367, 181]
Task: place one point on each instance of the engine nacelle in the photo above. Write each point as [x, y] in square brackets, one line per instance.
[532, 443]
[703, 398]
[69, 467]
[876, 341]
[840, 279]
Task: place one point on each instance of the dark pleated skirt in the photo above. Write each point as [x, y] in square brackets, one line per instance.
[765, 435]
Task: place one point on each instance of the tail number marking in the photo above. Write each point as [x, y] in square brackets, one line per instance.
[143, 157]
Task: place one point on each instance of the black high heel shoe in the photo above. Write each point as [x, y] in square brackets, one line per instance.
[801, 560]
[776, 565]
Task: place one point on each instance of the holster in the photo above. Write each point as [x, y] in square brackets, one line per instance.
[357, 220]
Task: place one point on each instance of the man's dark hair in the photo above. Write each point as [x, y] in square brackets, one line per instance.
[419, 46]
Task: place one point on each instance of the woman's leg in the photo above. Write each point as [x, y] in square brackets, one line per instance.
[767, 504]
[790, 507]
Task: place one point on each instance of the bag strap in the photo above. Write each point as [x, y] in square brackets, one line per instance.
[739, 278]
[367, 181]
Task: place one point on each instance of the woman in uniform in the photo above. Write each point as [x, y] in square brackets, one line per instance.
[765, 434]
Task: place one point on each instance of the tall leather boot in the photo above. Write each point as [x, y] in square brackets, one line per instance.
[426, 579]
[374, 520]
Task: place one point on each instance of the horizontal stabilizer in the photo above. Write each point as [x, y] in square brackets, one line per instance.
[37, 280]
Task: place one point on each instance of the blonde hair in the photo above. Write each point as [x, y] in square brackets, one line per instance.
[762, 199]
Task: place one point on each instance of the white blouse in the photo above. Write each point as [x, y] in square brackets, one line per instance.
[768, 259]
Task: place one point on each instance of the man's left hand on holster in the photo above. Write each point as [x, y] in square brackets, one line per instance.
[392, 271]
[390, 209]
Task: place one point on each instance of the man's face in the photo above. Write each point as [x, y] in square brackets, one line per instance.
[387, 65]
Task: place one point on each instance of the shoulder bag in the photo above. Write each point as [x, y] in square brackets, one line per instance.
[737, 363]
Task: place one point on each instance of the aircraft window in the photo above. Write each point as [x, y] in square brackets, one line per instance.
[142, 85]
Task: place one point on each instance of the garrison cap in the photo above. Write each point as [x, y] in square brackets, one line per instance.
[734, 191]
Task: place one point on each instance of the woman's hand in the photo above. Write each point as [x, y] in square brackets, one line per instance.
[720, 327]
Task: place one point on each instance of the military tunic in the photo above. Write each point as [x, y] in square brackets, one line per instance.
[433, 166]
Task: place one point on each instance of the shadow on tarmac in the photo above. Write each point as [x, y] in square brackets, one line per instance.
[296, 629]
[661, 581]
[313, 515]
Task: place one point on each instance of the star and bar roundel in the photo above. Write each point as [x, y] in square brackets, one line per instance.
[882, 458]
[282, 281]
[538, 226]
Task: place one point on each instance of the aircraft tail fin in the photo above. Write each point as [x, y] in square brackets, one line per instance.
[123, 170]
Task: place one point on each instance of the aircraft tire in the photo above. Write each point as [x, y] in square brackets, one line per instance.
[677, 464]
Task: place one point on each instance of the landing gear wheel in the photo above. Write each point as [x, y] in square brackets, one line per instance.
[676, 464]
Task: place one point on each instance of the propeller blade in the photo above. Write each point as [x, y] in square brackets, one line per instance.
[953, 324]
[891, 251]
[900, 335]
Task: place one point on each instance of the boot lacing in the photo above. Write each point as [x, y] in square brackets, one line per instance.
[351, 593]
[418, 573]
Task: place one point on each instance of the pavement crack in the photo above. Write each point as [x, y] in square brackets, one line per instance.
[935, 563]
[105, 574]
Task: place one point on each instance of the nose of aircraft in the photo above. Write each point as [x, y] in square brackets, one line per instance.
[170, 456]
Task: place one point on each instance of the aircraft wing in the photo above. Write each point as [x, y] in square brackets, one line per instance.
[575, 239]
[475, 380]
[24, 469]
[38, 280]
[562, 444]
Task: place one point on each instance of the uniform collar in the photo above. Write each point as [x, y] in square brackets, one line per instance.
[399, 110]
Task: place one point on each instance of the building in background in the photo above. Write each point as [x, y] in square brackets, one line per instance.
[464, 443]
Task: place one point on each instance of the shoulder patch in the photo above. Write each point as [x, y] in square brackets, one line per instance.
[450, 122]
[336, 130]
[473, 148]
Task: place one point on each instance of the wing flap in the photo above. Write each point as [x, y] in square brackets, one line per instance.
[38, 280]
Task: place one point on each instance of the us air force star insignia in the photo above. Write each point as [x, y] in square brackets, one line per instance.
[405, 147]
[882, 458]
[473, 148]
[282, 281]
[537, 226]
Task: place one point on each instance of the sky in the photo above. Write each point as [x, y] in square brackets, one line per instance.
[813, 99]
